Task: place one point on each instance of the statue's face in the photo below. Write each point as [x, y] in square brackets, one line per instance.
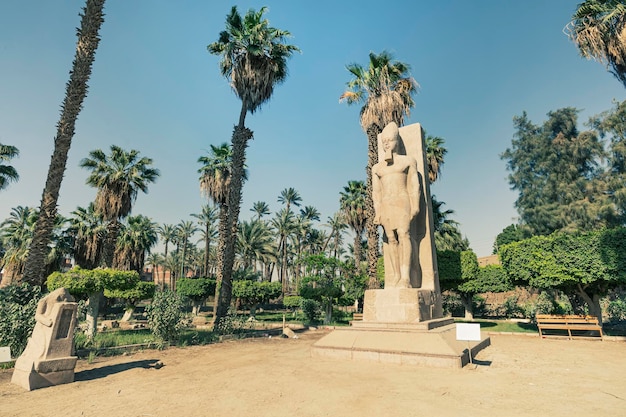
[390, 142]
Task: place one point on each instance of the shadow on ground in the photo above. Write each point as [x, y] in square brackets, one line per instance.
[107, 370]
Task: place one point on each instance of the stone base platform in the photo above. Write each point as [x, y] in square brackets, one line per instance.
[42, 374]
[423, 344]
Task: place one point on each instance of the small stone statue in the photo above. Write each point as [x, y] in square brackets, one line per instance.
[396, 194]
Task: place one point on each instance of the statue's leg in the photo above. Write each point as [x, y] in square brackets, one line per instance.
[392, 277]
[405, 249]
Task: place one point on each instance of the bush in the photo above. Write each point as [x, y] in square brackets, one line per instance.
[511, 308]
[452, 304]
[617, 310]
[165, 315]
[311, 309]
[18, 304]
[233, 324]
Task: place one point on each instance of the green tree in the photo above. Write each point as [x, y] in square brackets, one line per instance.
[597, 28]
[138, 235]
[284, 223]
[118, 178]
[141, 291]
[255, 242]
[447, 233]
[385, 89]
[254, 59]
[184, 231]
[252, 293]
[260, 209]
[511, 233]
[337, 226]
[168, 234]
[587, 264]
[555, 168]
[435, 153]
[352, 204]
[91, 284]
[323, 282]
[7, 172]
[206, 219]
[197, 290]
[18, 304]
[88, 232]
[75, 93]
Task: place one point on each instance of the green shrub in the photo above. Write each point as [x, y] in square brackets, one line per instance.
[617, 310]
[311, 309]
[292, 302]
[511, 308]
[18, 304]
[452, 304]
[165, 315]
[196, 289]
[233, 324]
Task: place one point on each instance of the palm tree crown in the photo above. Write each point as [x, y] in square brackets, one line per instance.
[118, 177]
[7, 172]
[598, 28]
[253, 56]
[216, 173]
[435, 153]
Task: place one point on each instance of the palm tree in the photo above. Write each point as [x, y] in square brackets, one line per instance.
[598, 28]
[310, 213]
[118, 177]
[260, 208]
[337, 226]
[435, 153]
[284, 224]
[7, 172]
[254, 60]
[386, 91]
[136, 238]
[168, 234]
[254, 243]
[184, 231]
[447, 233]
[155, 260]
[207, 219]
[352, 203]
[88, 231]
[75, 92]
[289, 196]
[16, 233]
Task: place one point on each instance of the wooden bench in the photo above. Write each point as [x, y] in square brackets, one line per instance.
[357, 316]
[568, 326]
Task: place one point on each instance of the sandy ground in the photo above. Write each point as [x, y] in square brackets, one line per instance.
[516, 376]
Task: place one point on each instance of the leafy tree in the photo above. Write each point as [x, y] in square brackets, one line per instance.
[88, 232]
[196, 289]
[385, 89]
[184, 231]
[511, 233]
[555, 168]
[254, 60]
[118, 177]
[323, 282]
[254, 243]
[75, 93]
[165, 315]
[138, 235]
[284, 223]
[352, 203]
[18, 304]
[252, 293]
[584, 264]
[91, 284]
[597, 28]
[337, 226]
[7, 172]
[168, 234]
[141, 291]
[207, 220]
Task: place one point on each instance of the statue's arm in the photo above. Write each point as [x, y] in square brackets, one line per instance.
[376, 195]
[413, 185]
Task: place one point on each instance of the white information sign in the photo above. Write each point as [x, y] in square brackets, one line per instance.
[468, 331]
[5, 354]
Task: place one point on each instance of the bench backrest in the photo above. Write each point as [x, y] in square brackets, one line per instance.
[566, 319]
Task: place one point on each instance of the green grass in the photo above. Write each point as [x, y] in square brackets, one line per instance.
[114, 338]
[503, 326]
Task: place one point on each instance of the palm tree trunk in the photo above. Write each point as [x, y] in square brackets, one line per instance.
[372, 229]
[76, 91]
[108, 249]
[207, 246]
[241, 135]
[357, 250]
[164, 265]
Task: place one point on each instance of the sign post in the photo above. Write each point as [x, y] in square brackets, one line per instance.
[468, 332]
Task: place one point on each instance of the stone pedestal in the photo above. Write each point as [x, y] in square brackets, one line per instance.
[401, 305]
[48, 358]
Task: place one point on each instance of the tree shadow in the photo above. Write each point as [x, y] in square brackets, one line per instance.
[105, 371]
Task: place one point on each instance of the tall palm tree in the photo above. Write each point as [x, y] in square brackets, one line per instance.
[254, 243]
[447, 233]
[284, 224]
[598, 28]
[288, 196]
[260, 209]
[168, 234]
[75, 92]
[207, 220]
[118, 177]
[352, 203]
[135, 240]
[7, 172]
[254, 60]
[310, 213]
[184, 231]
[385, 89]
[88, 232]
[337, 226]
[155, 260]
[435, 153]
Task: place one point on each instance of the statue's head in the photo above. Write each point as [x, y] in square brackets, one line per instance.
[390, 137]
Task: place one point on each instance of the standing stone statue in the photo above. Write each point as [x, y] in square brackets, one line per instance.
[396, 191]
[47, 359]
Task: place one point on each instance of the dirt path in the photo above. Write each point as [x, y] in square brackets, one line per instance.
[518, 376]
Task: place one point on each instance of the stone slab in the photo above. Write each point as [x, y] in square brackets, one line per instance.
[434, 348]
[400, 305]
[5, 354]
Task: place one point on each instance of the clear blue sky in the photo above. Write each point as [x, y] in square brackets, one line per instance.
[155, 88]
